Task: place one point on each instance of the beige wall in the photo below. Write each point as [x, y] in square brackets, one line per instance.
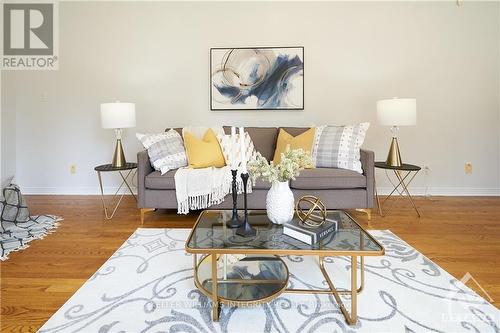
[157, 55]
[8, 127]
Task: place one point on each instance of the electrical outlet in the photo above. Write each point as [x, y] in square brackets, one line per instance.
[427, 170]
[72, 168]
[468, 168]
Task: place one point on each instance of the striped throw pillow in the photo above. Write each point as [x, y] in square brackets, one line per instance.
[339, 146]
[166, 150]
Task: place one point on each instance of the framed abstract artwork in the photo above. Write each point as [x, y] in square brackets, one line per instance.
[257, 78]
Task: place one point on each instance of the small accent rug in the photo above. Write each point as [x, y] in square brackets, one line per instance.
[17, 227]
[147, 286]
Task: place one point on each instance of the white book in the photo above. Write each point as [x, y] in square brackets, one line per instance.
[311, 236]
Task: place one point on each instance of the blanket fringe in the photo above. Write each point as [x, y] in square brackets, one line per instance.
[216, 197]
[49, 230]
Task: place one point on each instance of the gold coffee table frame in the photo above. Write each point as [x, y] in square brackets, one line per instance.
[214, 253]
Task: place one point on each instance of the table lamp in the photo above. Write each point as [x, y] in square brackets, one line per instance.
[396, 112]
[118, 116]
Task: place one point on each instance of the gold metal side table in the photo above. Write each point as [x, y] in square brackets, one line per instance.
[127, 173]
[405, 175]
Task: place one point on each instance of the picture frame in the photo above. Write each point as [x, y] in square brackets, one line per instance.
[257, 78]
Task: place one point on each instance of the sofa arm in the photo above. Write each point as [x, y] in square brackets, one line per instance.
[368, 165]
[144, 168]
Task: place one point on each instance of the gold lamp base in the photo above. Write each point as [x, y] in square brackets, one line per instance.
[119, 157]
[394, 156]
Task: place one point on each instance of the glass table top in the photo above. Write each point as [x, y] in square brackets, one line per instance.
[210, 235]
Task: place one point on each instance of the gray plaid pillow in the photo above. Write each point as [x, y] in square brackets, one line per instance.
[166, 150]
[339, 147]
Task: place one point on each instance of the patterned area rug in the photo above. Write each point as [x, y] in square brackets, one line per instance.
[147, 286]
[17, 227]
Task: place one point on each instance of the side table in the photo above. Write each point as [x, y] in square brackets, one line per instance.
[126, 172]
[405, 175]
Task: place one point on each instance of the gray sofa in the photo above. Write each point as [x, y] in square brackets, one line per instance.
[337, 188]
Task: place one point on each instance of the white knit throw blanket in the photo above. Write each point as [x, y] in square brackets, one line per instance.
[201, 188]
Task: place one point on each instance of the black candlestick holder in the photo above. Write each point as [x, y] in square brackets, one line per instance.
[235, 221]
[245, 230]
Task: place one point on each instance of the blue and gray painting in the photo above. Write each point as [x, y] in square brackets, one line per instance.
[271, 88]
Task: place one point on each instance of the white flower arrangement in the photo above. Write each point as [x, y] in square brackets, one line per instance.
[292, 162]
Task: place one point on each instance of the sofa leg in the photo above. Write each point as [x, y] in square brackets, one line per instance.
[143, 211]
[367, 211]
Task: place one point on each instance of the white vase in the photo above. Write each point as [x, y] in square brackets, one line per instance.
[280, 203]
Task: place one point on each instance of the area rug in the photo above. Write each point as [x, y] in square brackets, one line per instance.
[147, 286]
[17, 227]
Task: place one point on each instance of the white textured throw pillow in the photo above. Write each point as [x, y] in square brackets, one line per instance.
[226, 143]
[166, 150]
[339, 147]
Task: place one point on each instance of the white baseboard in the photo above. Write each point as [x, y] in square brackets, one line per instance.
[446, 191]
[418, 191]
[110, 190]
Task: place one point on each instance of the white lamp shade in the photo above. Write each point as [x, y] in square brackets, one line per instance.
[117, 115]
[397, 112]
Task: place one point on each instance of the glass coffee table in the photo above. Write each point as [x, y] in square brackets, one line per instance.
[249, 270]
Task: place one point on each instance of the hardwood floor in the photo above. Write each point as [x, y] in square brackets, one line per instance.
[459, 234]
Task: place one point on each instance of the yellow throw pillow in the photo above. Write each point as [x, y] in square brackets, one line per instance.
[203, 153]
[304, 141]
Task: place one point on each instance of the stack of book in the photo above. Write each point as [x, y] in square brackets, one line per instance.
[297, 230]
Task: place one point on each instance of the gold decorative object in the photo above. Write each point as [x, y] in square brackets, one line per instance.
[315, 214]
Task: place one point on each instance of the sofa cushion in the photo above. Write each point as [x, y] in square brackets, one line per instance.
[155, 181]
[309, 179]
[328, 178]
[261, 184]
[286, 140]
[205, 152]
[294, 131]
[264, 139]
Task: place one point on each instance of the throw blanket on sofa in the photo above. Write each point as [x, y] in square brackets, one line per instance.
[201, 188]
